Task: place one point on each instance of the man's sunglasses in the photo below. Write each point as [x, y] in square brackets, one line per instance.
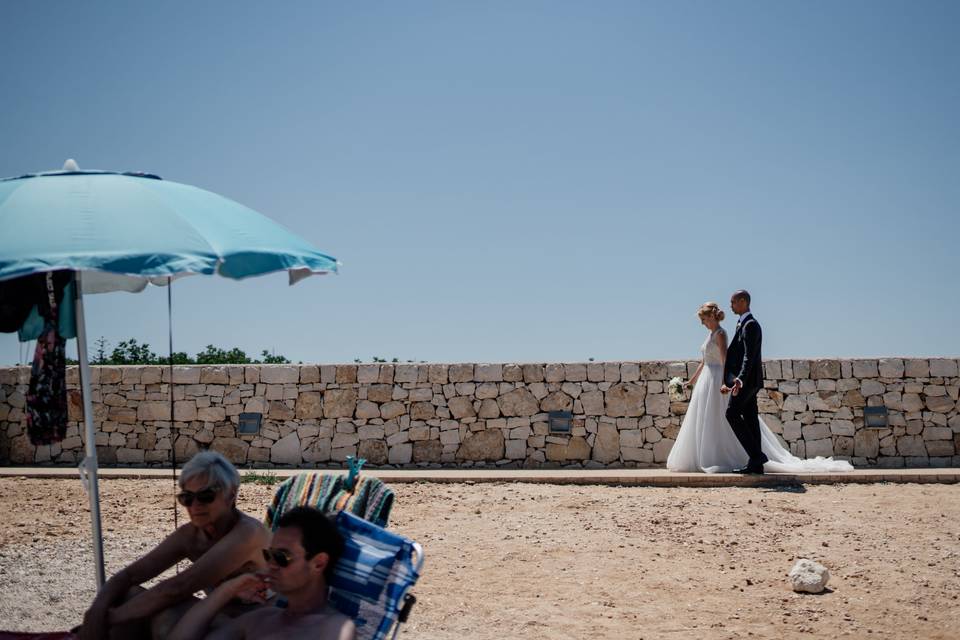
[278, 556]
[206, 496]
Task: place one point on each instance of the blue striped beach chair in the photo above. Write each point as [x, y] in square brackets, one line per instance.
[372, 580]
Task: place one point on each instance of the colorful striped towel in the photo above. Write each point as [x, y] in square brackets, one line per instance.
[369, 498]
[305, 489]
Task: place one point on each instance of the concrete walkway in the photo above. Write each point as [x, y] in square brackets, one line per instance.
[623, 477]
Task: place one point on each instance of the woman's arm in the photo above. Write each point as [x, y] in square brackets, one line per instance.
[696, 374]
[94, 624]
[721, 339]
[98, 617]
[223, 558]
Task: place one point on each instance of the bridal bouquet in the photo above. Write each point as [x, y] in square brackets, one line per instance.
[675, 389]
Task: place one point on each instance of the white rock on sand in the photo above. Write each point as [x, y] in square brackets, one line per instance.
[808, 576]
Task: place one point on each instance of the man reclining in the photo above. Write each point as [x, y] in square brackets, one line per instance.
[301, 558]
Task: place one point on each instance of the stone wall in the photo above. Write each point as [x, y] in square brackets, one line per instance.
[464, 415]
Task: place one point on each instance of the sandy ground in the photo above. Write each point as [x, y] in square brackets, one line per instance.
[549, 561]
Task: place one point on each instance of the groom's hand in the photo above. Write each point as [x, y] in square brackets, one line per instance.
[735, 389]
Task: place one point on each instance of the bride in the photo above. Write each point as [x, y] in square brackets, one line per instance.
[706, 442]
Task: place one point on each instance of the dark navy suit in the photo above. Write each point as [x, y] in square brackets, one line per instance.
[744, 363]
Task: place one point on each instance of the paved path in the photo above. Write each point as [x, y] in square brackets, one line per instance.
[626, 477]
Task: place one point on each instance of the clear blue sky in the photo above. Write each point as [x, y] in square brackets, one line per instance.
[523, 181]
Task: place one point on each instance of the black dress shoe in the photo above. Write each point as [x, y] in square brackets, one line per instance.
[757, 471]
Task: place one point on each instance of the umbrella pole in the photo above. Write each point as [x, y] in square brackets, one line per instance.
[88, 468]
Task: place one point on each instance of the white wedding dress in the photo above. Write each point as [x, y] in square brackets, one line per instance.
[706, 441]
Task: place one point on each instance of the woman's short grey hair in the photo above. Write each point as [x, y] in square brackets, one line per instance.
[218, 470]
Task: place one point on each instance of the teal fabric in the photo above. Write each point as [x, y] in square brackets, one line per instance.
[33, 325]
[140, 225]
[354, 464]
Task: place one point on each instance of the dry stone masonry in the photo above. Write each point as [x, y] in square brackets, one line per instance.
[467, 415]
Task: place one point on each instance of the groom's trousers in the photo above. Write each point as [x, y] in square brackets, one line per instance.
[742, 414]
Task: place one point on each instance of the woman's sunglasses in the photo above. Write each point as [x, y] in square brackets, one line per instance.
[206, 496]
[278, 556]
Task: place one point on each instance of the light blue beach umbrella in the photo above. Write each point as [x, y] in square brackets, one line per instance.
[121, 231]
[140, 226]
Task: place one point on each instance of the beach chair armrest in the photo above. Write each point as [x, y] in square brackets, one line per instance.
[418, 560]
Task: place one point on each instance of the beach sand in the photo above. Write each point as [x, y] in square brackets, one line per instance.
[551, 561]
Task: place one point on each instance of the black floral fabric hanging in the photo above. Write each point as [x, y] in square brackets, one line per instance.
[47, 395]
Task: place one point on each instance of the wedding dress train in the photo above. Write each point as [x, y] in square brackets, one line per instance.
[707, 443]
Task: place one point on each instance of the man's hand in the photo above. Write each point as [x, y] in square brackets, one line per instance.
[195, 624]
[737, 385]
[249, 587]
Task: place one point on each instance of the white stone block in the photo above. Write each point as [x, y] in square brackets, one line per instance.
[943, 368]
[822, 448]
[891, 368]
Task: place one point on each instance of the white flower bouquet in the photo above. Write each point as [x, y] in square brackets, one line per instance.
[675, 389]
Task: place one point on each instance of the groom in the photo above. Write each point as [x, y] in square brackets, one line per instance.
[743, 379]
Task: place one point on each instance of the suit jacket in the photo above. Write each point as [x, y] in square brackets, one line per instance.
[744, 361]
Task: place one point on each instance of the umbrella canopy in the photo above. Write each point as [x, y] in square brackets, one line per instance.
[120, 231]
[141, 227]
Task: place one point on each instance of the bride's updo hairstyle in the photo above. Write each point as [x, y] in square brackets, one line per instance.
[710, 310]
